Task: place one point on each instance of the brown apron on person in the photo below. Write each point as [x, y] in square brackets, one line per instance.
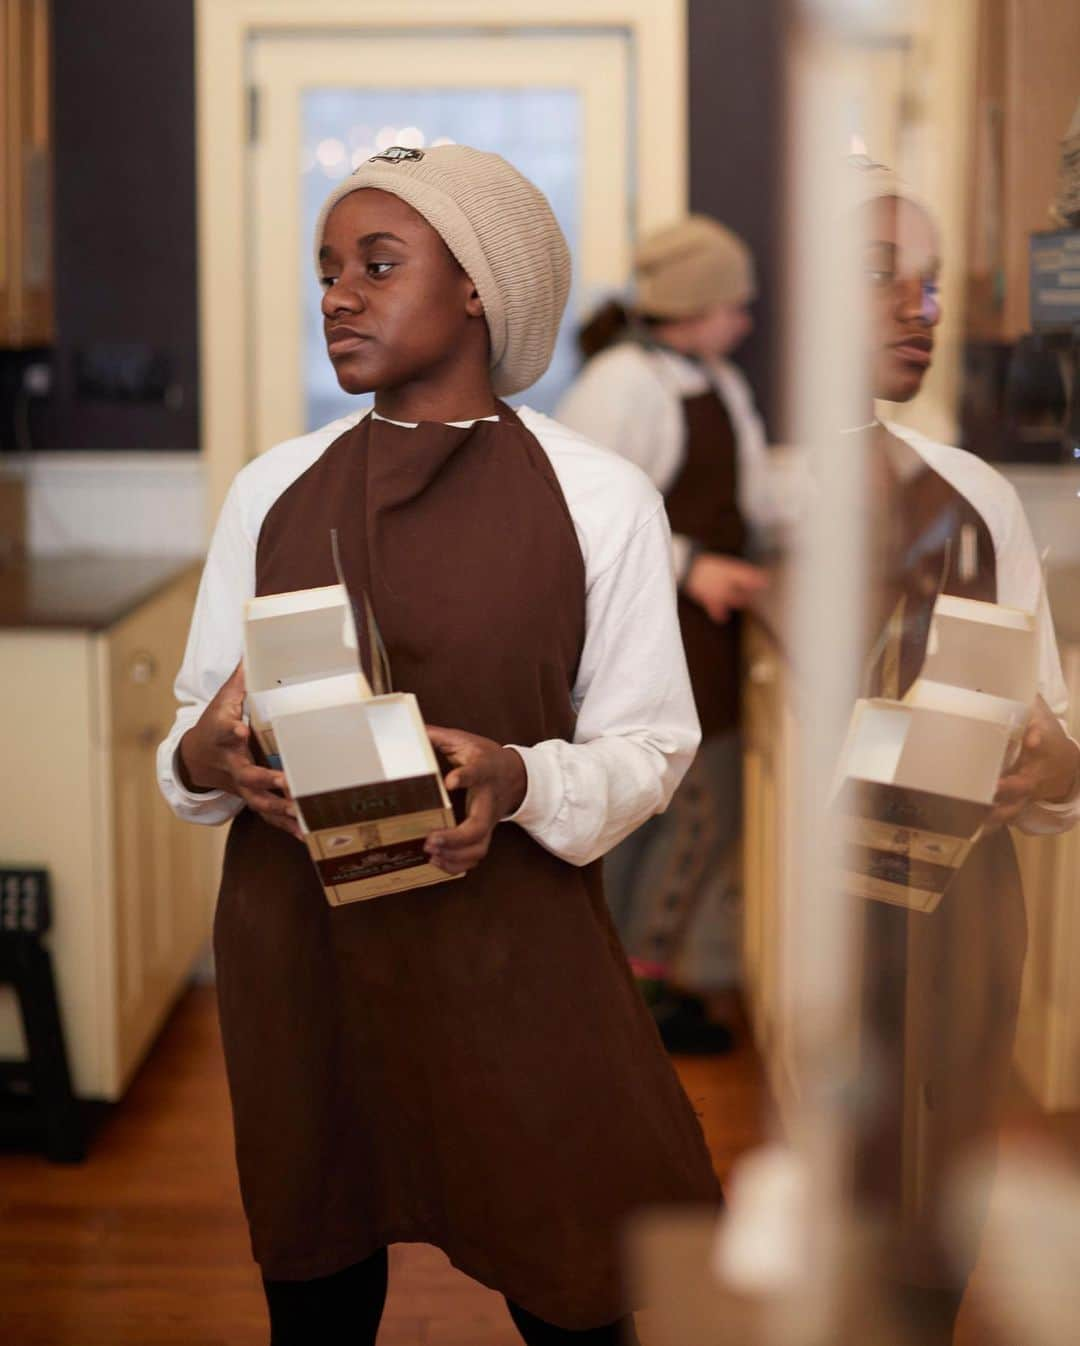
[470, 1064]
[940, 991]
[702, 504]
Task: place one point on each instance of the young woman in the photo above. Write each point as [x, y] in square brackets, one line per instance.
[660, 390]
[469, 1064]
[941, 990]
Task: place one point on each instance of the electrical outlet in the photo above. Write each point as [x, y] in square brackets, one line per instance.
[37, 379]
[24, 901]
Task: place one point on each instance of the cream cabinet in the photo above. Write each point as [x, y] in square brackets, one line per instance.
[1048, 1032]
[768, 738]
[88, 652]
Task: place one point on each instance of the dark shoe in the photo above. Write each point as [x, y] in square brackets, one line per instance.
[686, 1031]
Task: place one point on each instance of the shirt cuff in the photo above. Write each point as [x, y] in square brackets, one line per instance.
[684, 552]
[1046, 817]
[1071, 803]
[193, 798]
[543, 791]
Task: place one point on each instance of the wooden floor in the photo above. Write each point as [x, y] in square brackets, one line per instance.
[146, 1243]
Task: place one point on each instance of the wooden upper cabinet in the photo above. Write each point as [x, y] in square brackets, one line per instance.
[1027, 86]
[26, 300]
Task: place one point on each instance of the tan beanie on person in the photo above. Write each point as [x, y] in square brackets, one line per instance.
[503, 233]
[870, 181]
[691, 267]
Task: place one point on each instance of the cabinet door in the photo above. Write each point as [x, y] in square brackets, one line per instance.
[1048, 1031]
[25, 192]
[761, 723]
[163, 867]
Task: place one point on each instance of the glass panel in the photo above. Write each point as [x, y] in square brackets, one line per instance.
[538, 130]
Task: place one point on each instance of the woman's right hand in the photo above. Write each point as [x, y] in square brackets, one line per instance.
[215, 754]
[723, 584]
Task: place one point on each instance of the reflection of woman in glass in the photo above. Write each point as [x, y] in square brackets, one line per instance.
[941, 990]
[661, 391]
[469, 1064]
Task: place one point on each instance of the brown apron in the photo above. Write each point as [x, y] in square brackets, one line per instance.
[702, 504]
[940, 991]
[467, 1065]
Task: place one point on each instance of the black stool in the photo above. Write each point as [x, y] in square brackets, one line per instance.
[26, 966]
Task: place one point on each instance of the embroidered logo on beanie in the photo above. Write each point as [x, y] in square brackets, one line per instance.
[396, 154]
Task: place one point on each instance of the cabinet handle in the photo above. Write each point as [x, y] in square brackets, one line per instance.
[763, 672]
[143, 668]
[149, 735]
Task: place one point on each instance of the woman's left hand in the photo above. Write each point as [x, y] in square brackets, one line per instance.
[1046, 770]
[495, 779]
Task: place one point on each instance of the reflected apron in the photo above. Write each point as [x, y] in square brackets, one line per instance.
[470, 1064]
[940, 991]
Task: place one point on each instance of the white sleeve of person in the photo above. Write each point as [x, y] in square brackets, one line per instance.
[1021, 585]
[619, 402]
[216, 640]
[637, 728]
[768, 496]
[214, 647]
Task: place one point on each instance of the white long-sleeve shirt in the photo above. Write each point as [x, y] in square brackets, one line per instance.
[629, 398]
[637, 729]
[1020, 584]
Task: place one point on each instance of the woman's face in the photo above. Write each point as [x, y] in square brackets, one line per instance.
[397, 307]
[902, 268]
[712, 334]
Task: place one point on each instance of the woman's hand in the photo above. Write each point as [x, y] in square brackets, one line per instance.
[1047, 770]
[496, 781]
[215, 754]
[723, 584]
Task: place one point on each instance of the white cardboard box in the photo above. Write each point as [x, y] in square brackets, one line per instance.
[359, 766]
[917, 778]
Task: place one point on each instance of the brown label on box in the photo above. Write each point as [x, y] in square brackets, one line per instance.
[916, 809]
[908, 841]
[333, 842]
[398, 881]
[372, 864]
[900, 869]
[369, 803]
[915, 899]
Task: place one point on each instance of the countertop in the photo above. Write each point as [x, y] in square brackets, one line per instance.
[76, 591]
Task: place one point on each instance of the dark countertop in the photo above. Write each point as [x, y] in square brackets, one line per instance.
[88, 592]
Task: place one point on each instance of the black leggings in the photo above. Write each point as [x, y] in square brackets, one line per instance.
[345, 1310]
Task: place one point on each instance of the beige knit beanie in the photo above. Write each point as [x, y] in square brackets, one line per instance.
[690, 267]
[870, 181]
[502, 231]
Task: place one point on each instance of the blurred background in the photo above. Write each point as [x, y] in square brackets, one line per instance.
[161, 167]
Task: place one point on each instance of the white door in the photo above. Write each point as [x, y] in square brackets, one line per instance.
[559, 107]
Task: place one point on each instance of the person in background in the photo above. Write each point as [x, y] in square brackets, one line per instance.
[660, 389]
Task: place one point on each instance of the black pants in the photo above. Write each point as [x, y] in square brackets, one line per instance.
[345, 1310]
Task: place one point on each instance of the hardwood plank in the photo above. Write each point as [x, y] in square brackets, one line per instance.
[146, 1244]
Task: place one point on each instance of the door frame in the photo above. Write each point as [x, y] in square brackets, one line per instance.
[223, 31]
[596, 71]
